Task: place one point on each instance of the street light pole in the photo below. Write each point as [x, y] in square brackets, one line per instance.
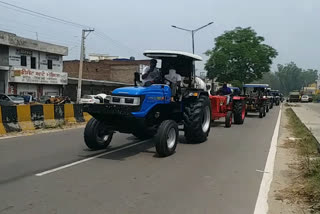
[192, 32]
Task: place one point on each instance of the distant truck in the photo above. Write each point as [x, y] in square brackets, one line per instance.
[294, 97]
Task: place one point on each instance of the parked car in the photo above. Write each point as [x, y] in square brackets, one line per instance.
[11, 99]
[305, 98]
[44, 99]
[89, 99]
[28, 99]
[104, 98]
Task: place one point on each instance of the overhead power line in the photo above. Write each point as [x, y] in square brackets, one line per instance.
[38, 14]
[98, 33]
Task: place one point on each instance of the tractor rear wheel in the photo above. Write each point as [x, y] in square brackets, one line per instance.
[96, 136]
[228, 121]
[166, 139]
[197, 120]
[239, 111]
[261, 112]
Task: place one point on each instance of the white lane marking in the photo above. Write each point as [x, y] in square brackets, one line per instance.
[85, 160]
[262, 200]
[258, 170]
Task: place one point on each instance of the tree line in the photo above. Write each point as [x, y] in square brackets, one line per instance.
[241, 56]
[289, 77]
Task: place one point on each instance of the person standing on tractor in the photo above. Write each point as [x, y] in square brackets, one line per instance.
[225, 91]
[150, 73]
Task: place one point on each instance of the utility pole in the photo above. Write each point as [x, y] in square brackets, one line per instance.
[83, 37]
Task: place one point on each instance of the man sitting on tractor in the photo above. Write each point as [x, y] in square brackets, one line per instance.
[150, 74]
[225, 91]
[174, 80]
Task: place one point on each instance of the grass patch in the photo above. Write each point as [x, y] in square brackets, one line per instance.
[307, 147]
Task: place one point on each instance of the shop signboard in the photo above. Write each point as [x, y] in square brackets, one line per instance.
[21, 75]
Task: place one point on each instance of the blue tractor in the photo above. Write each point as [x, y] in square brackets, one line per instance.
[156, 109]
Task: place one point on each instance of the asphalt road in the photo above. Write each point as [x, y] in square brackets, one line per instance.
[218, 176]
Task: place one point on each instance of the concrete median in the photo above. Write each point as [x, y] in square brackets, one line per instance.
[31, 117]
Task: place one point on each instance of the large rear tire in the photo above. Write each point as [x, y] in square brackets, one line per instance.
[96, 136]
[166, 139]
[197, 120]
[271, 105]
[239, 111]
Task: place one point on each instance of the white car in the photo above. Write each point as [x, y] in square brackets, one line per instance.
[305, 98]
[89, 99]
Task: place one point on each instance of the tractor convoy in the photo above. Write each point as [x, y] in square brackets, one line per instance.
[160, 108]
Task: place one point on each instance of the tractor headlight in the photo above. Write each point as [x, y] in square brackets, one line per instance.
[133, 101]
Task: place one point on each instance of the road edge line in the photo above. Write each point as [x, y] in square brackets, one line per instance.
[261, 206]
[85, 160]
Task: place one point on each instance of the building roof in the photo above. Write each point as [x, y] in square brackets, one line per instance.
[13, 40]
[167, 53]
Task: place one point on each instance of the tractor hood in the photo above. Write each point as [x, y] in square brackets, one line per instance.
[137, 91]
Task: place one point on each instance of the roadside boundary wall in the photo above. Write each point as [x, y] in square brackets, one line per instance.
[30, 117]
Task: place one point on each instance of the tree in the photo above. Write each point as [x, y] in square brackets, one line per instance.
[309, 76]
[270, 78]
[239, 55]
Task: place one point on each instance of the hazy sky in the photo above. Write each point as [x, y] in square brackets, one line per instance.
[290, 26]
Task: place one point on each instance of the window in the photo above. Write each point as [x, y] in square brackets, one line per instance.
[23, 60]
[33, 62]
[49, 64]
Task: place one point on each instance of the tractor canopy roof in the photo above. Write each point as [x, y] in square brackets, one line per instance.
[235, 88]
[182, 62]
[256, 86]
[167, 54]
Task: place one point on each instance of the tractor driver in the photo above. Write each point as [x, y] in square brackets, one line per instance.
[226, 91]
[150, 74]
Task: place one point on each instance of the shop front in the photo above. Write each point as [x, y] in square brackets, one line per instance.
[36, 82]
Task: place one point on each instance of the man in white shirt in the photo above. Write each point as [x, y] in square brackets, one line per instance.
[173, 77]
[150, 73]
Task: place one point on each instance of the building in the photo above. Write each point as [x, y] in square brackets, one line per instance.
[98, 57]
[318, 85]
[31, 67]
[101, 76]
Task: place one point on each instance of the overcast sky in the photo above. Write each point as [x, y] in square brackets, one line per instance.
[290, 26]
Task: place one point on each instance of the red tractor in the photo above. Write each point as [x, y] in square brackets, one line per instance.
[236, 108]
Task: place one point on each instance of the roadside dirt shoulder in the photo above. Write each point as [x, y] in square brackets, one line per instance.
[286, 171]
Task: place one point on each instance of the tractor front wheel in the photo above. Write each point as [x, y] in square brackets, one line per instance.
[197, 120]
[261, 112]
[166, 139]
[267, 108]
[96, 135]
[228, 121]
